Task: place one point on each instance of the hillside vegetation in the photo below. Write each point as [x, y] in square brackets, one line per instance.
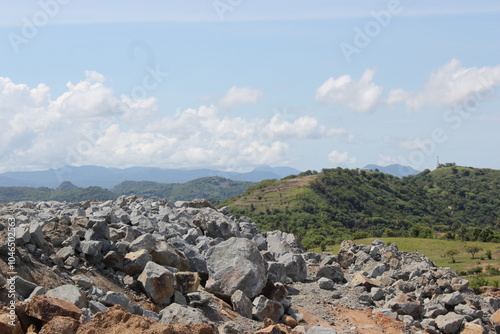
[323, 208]
[215, 189]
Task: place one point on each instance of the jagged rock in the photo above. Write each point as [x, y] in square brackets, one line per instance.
[36, 234]
[296, 267]
[450, 323]
[98, 231]
[452, 299]
[196, 261]
[432, 310]
[332, 272]
[66, 252]
[326, 283]
[45, 308]
[164, 253]
[241, 304]
[96, 307]
[24, 287]
[198, 299]
[70, 293]
[216, 225]
[60, 325]
[377, 294]
[134, 262]
[236, 264]
[404, 305]
[117, 298]
[280, 243]
[266, 308]
[113, 260]
[276, 272]
[175, 313]
[38, 291]
[187, 282]
[22, 234]
[466, 310]
[91, 248]
[158, 283]
[146, 241]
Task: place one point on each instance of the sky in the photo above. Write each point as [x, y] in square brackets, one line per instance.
[235, 84]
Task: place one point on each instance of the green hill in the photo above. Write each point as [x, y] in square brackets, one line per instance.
[452, 202]
[215, 189]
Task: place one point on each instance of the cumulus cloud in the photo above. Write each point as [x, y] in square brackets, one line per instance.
[361, 95]
[90, 124]
[240, 95]
[341, 158]
[449, 86]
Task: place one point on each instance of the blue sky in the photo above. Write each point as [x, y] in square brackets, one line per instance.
[233, 84]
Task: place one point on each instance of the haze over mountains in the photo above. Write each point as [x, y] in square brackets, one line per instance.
[88, 176]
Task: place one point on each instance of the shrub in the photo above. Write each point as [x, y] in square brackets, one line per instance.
[478, 282]
[475, 270]
[488, 254]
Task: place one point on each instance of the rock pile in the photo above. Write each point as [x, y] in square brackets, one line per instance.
[407, 287]
[140, 265]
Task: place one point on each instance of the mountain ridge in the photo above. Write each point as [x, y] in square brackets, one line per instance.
[108, 177]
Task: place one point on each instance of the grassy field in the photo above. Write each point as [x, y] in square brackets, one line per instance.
[435, 249]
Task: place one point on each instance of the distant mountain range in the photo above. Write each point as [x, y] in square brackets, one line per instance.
[396, 170]
[88, 176]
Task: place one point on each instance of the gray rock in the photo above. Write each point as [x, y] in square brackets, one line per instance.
[377, 294]
[99, 230]
[24, 287]
[70, 293]
[117, 298]
[326, 284]
[242, 304]
[266, 308]
[452, 299]
[433, 309]
[196, 261]
[22, 234]
[346, 256]
[65, 252]
[179, 298]
[450, 323]
[83, 281]
[146, 241]
[230, 327]
[236, 264]
[280, 243]
[333, 272]
[296, 267]
[276, 272]
[465, 309]
[36, 234]
[198, 299]
[321, 330]
[175, 313]
[150, 314]
[96, 307]
[158, 283]
[38, 291]
[91, 248]
[3, 281]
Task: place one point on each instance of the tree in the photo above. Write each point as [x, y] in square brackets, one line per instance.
[451, 253]
[473, 250]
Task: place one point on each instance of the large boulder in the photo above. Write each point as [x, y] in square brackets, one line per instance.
[450, 323]
[266, 308]
[175, 313]
[158, 283]
[236, 264]
[404, 305]
[164, 253]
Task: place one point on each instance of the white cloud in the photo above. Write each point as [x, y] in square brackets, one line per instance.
[449, 86]
[341, 158]
[361, 95]
[89, 124]
[240, 95]
[386, 160]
